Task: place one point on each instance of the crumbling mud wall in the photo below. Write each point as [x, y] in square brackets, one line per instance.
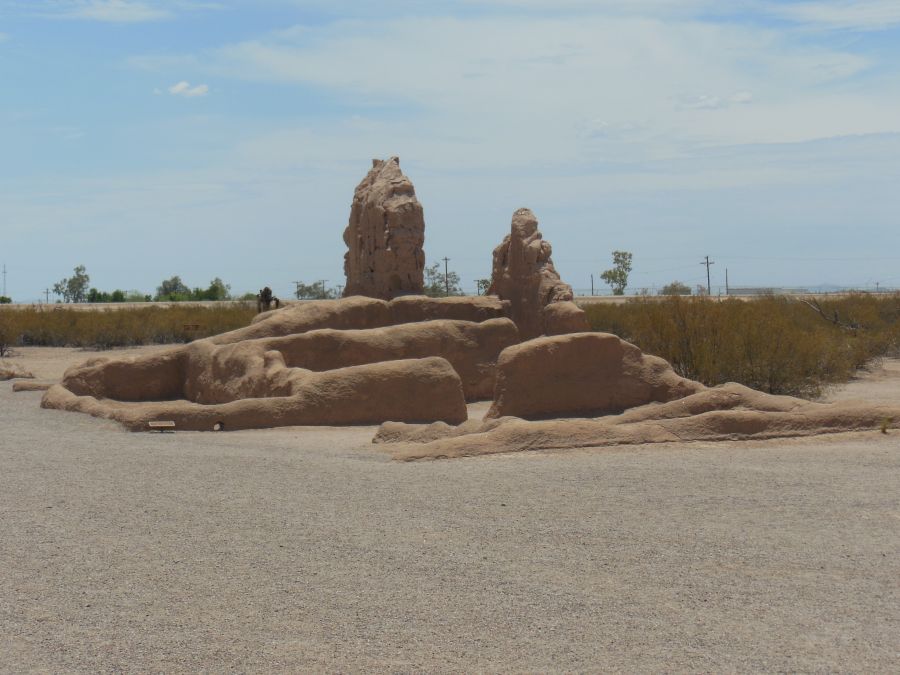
[523, 274]
[12, 371]
[359, 313]
[582, 374]
[290, 368]
[730, 412]
[413, 389]
[595, 390]
[216, 373]
[385, 235]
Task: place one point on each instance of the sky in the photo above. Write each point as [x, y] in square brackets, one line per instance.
[145, 139]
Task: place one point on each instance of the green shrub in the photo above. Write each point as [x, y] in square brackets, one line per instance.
[675, 288]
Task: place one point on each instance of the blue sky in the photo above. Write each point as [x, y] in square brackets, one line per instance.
[146, 139]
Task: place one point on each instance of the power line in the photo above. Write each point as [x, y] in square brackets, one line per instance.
[446, 276]
[708, 262]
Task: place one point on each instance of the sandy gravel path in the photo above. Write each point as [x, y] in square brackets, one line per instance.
[305, 549]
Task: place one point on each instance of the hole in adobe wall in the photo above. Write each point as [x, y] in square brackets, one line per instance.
[219, 426]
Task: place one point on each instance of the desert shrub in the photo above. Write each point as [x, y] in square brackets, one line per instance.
[9, 330]
[775, 344]
[675, 288]
[59, 326]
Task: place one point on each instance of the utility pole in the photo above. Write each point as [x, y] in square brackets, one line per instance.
[708, 262]
[297, 289]
[726, 281]
[592, 284]
[322, 281]
[47, 295]
[446, 277]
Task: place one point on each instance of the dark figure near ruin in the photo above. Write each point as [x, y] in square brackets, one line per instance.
[264, 300]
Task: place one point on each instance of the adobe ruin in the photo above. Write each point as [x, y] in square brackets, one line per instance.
[385, 235]
[385, 354]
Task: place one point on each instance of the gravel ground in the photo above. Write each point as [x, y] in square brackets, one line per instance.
[306, 549]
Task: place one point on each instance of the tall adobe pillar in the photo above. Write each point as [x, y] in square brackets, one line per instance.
[385, 235]
[523, 273]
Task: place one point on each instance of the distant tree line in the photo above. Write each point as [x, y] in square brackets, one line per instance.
[77, 288]
[174, 290]
[437, 284]
[117, 295]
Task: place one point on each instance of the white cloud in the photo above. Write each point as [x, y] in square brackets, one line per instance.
[69, 133]
[715, 102]
[841, 14]
[706, 102]
[643, 7]
[513, 88]
[185, 89]
[741, 97]
[113, 11]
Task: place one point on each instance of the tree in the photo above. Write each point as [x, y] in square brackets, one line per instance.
[218, 290]
[97, 296]
[102, 296]
[5, 300]
[314, 291]
[482, 286]
[437, 284]
[75, 288]
[675, 288]
[137, 296]
[617, 277]
[173, 289]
